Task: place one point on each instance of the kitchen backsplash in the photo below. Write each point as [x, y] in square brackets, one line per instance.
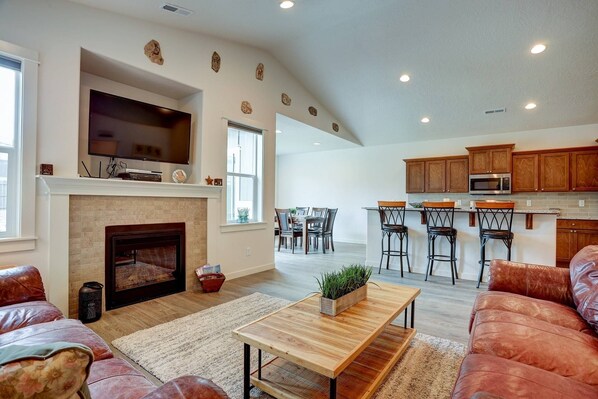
[567, 203]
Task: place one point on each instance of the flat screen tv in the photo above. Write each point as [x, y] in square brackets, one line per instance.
[123, 128]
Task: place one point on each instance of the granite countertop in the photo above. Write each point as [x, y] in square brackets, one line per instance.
[468, 210]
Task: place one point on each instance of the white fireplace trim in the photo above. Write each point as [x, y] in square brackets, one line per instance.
[128, 188]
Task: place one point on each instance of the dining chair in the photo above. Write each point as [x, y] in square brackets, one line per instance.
[325, 233]
[302, 210]
[287, 228]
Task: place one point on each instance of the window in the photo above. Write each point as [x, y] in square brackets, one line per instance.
[18, 125]
[243, 174]
[10, 111]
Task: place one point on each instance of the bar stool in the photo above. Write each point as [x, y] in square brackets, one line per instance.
[439, 223]
[392, 221]
[495, 220]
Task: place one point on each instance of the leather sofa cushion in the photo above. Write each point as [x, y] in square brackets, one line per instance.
[537, 343]
[116, 379]
[584, 283]
[21, 315]
[20, 284]
[509, 379]
[540, 309]
[65, 330]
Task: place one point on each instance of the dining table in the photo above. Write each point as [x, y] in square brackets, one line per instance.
[308, 220]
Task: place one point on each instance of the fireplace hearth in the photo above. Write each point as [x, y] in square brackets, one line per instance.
[143, 261]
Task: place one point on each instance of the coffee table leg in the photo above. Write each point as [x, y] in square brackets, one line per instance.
[405, 325]
[333, 388]
[246, 359]
[413, 314]
[259, 364]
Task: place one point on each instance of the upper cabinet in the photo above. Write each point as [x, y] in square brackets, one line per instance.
[415, 176]
[558, 170]
[490, 159]
[554, 171]
[438, 175]
[525, 173]
[584, 170]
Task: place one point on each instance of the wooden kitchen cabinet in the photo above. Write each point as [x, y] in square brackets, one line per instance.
[457, 175]
[490, 159]
[525, 173]
[554, 171]
[584, 170]
[571, 236]
[415, 176]
[437, 175]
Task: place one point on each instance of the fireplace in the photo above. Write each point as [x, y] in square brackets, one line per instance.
[143, 261]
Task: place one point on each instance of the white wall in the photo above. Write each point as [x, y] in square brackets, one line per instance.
[351, 179]
[59, 29]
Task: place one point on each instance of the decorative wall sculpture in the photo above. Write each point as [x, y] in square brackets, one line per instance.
[246, 107]
[259, 71]
[335, 127]
[313, 111]
[153, 52]
[215, 62]
[286, 100]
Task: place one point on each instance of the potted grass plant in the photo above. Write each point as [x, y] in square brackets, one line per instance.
[342, 289]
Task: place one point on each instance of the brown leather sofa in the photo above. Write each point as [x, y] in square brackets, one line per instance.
[26, 318]
[534, 332]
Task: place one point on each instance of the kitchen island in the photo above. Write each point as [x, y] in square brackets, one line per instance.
[534, 241]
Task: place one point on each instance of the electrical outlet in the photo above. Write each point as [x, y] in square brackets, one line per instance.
[248, 251]
[529, 202]
[582, 203]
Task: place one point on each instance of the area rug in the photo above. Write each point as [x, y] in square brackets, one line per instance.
[202, 344]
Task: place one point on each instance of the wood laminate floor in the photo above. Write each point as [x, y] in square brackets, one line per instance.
[442, 309]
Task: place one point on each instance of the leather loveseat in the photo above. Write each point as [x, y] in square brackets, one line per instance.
[533, 334]
[27, 319]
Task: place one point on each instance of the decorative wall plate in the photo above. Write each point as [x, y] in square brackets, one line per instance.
[215, 62]
[335, 127]
[313, 111]
[179, 176]
[246, 107]
[153, 52]
[286, 100]
[259, 71]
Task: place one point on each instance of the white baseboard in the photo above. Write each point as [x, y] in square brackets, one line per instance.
[248, 271]
[349, 241]
[462, 276]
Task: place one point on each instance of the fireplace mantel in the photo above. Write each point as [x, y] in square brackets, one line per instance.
[55, 185]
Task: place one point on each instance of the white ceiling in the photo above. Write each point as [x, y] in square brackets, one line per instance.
[464, 57]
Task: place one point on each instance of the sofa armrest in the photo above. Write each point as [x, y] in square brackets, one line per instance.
[20, 284]
[188, 387]
[535, 281]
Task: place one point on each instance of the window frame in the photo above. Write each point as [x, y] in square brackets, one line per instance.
[258, 177]
[23, 237]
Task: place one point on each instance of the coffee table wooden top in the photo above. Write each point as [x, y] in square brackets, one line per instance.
[325, 344]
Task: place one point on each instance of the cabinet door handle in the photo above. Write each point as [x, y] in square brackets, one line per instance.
[573, 188]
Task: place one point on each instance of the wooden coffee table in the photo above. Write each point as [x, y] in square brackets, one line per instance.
[346, 356]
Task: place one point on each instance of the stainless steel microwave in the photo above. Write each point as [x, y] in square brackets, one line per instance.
[490, 184]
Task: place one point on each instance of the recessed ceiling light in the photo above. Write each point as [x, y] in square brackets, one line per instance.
[316, 143]
[404, 78]
[287, 4]
[278, 131]
[530, 106]
[538, 48]
[425, 119]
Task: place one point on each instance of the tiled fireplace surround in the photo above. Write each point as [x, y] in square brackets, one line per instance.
[93, 204]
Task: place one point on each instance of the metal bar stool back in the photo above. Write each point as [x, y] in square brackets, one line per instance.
[439, 223]
[494, 220]
[392, 222]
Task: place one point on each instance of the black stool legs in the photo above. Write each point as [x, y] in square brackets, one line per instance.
[393, 252]
[452, 239]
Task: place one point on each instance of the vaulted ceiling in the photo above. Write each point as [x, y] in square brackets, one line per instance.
[463, 57]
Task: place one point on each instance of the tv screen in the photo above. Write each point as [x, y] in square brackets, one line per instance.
[123, 128]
